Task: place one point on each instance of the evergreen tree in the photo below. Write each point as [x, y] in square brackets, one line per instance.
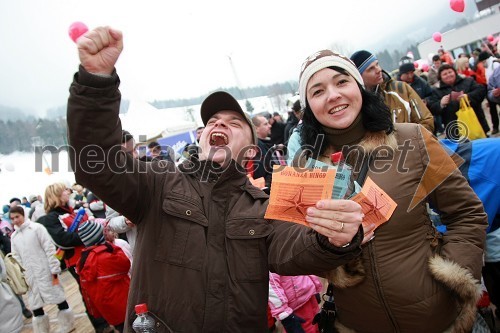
[249, 106]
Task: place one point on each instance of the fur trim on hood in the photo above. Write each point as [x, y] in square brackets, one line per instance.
[373, 140]
[347, 275]
[458, 279]
[464, 285]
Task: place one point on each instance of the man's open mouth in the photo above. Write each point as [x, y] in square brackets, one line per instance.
[218, 139]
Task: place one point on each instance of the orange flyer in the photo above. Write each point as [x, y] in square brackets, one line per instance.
[294, 190]
[376, 204]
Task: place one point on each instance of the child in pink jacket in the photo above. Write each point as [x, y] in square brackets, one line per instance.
[293, 300]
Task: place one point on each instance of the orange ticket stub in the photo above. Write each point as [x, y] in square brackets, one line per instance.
[376, 204]
[295, 190]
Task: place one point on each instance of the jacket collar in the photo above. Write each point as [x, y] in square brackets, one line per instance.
[387, 79]
[23, 226]
[255, 192]
[457, 81]
[63, 209]
[213, 172]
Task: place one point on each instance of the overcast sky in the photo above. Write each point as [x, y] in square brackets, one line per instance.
[181, 49]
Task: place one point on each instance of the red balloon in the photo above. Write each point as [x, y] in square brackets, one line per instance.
[425, 67]
[490, 38]
[76, 29]
[437, 37]
[457, 5]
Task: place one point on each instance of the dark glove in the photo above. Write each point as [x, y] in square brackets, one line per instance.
[293, 324]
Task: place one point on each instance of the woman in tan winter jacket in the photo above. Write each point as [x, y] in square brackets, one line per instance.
[409, 278]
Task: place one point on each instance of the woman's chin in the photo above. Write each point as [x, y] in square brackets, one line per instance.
[338, 124]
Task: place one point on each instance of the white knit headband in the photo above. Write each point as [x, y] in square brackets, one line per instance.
[324, 59]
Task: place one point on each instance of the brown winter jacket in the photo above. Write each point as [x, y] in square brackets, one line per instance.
[203, 251]
[405, 104]
[410, 278]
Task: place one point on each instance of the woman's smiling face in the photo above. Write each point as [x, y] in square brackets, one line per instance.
[334, 98]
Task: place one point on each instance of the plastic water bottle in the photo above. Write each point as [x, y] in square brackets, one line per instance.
[144, 323]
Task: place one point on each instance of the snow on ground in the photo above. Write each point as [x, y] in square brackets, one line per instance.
[22, 174]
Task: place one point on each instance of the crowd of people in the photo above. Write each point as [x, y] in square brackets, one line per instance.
[71, 233]
[187, 235]
[447, 80]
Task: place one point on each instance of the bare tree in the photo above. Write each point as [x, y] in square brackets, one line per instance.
[342, 48]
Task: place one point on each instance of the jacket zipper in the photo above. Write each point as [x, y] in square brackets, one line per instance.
[378, 288]
[416, 109]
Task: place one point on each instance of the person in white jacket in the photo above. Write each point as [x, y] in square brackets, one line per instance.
[32, 246]
[120, 224]
[11, 319]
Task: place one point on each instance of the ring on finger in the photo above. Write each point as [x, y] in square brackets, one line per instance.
[341, 227]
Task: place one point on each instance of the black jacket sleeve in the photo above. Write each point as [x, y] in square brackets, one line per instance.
[426, 91]
[61, 237]
[475, 91]
[434, 101]
[4, 243]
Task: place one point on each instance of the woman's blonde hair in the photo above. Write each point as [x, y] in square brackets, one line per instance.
[53, 196]
[77, 187]
[462, 64]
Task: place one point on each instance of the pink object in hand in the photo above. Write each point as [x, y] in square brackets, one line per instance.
[76, 29]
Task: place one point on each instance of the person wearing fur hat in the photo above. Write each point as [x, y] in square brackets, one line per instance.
[103, 269]
[204, 249]
[405, 106]
[409, 278]
[445, 99]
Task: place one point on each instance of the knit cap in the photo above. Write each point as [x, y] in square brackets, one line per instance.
[323, 59]
[482, 56]
[91, 233]
[363, 59]
[406, 65]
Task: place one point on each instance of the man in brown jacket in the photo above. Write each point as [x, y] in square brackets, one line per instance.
[404, 103]
[204, 249]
